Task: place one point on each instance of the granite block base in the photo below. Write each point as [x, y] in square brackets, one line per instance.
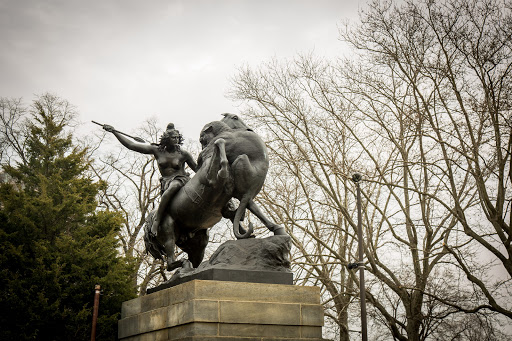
[223, 310]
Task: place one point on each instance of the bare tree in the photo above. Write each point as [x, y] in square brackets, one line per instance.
[455, 58]
[14, 126]
[429, 165]
[13, 135]
[319, 138]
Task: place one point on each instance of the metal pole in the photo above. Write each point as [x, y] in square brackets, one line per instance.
[362, 291]
[97, 288]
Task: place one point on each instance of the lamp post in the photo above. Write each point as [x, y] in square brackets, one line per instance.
[97, 291]
[362, 292]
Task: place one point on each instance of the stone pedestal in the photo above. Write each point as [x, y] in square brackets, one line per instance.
[222, 310]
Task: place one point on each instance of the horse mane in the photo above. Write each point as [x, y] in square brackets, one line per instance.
[234, 122]
[217, 127]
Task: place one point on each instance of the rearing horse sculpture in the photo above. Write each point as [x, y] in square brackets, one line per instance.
[233, 163]
[234, 122]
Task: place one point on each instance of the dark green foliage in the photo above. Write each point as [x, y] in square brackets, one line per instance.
[54, 244]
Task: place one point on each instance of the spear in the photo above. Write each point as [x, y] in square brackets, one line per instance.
[138, 139]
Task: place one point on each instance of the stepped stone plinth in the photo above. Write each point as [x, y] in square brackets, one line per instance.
[209, 310]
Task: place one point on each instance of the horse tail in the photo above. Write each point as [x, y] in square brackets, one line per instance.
[151, 243]
[238, 215]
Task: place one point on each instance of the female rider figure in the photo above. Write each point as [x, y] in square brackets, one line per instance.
[171, 161]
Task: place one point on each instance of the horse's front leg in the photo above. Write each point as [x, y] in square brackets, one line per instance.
[218, 168]
[196, 247]
[221, 145]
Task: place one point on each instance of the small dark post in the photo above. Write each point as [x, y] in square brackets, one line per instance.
[362, 292]
[97, 290]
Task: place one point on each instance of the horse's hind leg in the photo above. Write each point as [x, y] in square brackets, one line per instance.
[229, 212]
[278, 230]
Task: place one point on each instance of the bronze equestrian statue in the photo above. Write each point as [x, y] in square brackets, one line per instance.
[233, 163]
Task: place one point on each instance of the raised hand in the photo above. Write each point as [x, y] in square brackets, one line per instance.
[108, 128]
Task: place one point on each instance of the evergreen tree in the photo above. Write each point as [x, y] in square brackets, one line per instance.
[54, 243]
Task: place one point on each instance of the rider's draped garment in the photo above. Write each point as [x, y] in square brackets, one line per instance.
[165, 181]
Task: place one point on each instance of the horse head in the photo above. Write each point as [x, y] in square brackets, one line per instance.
[211, 130]
[234, 122]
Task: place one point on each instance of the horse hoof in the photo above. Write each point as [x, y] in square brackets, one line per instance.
[174, 265]
[187, 265]
[223, 174]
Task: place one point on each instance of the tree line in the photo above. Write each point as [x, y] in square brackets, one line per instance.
[55, 243]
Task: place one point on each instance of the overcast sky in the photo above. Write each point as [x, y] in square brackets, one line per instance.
[121, 62]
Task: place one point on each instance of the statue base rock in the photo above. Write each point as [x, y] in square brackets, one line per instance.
[256, 260]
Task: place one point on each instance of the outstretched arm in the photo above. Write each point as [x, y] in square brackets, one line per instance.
[144, 148]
